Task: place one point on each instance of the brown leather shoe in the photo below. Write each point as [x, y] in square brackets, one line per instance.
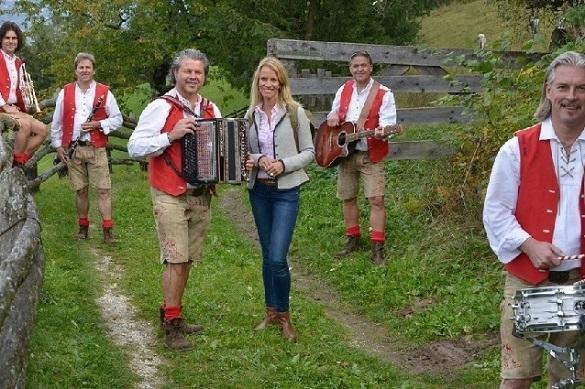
[288, 330]
[108, 236]
[174, 336]
[83, 232]
[271, 318]
[185, 327]
[352, 244]
[378, 254]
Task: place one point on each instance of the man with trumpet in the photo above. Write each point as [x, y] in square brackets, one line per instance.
[85, 113]
[13, 85]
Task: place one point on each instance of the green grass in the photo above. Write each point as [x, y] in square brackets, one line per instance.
[458, 24]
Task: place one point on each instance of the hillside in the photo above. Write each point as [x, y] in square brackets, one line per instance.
[457, 26]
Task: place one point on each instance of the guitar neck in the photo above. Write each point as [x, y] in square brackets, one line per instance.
[362, 134]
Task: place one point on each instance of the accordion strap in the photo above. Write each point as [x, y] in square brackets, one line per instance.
[177, 103]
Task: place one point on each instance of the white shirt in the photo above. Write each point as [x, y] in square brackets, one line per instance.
[146, 139]
[266, 130]
[84, 102]
[503, 231]
[358, 99]
[13, 75]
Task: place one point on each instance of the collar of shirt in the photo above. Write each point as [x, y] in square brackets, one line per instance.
[194, 107]
[91, 88]
[8, 56]
[547, 131]
[366, 89]
[277, 112]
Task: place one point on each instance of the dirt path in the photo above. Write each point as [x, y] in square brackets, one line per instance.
[438, 357]
[133, 335]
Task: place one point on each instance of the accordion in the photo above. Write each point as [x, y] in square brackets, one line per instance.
[216, 152]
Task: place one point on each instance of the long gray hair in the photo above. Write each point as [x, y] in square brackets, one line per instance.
[570, 58]
[193, 54]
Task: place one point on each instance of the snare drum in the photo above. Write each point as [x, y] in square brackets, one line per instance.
[549, 309]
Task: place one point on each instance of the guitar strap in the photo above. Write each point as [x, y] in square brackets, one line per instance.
[367, 106]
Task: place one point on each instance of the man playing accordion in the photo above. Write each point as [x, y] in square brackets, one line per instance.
[181, 210]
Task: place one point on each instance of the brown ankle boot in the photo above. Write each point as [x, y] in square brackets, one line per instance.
[83, 232]
[287, 328]
[185, 327]
[378, 254]
[174, 337]
[108, 236]
[271, 318]
[352, 244]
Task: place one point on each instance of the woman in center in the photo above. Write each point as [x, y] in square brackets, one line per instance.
[280, 147]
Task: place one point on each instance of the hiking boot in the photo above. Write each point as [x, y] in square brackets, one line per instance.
[108, 236]
[288, 330]
[83, 231]
[378, 254]
[352, 244]
[271, 318]
[185, 327]
[174, 336]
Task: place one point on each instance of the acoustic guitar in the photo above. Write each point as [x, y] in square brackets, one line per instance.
[332, 144]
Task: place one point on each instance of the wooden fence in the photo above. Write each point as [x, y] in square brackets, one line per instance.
[428, 66]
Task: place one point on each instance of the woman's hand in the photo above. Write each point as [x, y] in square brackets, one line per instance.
[275, 168]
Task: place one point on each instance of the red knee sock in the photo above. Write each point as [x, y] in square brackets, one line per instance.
[377, 236]
[172, 312]
[353, 231]
[83, 222]
[21, 158]
[107, 223]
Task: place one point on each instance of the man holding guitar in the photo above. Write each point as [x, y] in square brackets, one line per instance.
[369, 105]
[85, 113]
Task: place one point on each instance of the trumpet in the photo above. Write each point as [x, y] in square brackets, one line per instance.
[28, 91]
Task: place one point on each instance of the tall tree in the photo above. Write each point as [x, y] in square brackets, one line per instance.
[133, 40]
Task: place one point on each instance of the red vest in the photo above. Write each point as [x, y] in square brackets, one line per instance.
[162, 176]
[538, 199]
[377, 148]
[97, 137]
[5, 82]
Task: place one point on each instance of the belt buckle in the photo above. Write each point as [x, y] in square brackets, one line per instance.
[558, 277]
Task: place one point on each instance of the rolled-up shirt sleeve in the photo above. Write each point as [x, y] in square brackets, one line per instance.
[504, 233]
[146, 139]
[114, 119]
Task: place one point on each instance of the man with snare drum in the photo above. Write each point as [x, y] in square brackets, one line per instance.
[533, 213]
[364, 101]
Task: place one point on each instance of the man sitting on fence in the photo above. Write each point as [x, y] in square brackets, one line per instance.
[85, 113]
[31, 132]
[370, 105]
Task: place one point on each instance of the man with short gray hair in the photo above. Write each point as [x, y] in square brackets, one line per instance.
[533, 215]
[181, 210]
[85, 113]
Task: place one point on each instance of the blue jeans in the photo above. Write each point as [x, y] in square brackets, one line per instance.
[275, 213]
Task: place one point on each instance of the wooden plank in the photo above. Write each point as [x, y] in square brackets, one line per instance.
[417, 84]
[399, 55]
[412, 150]
[425, 115]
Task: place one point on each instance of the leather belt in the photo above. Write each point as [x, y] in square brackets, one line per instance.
[266, 181]
[196, 191]
[83, 143]
[558, 277]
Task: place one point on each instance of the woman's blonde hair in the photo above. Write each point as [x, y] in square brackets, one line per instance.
[284, 93]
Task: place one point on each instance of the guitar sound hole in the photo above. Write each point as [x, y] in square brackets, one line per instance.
[341, 139]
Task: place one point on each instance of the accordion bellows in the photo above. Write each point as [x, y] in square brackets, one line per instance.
[216, 152]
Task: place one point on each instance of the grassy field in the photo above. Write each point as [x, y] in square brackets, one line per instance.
[457, 26]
